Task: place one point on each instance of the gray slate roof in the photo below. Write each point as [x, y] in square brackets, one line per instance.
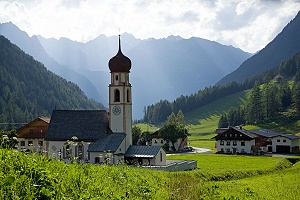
[269, 133]
[290, 136]
[86, 125]
[266, 133]
[141, 151]
[110, 143]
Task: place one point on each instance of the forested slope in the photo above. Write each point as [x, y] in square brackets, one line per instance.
[274, 98]
[28, 89]
[288, 70]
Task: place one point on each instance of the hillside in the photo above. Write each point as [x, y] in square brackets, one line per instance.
[283, 46]
[33, 47]
[279, 103]
[29, 90]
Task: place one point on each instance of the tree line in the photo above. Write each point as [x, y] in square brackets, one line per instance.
[157, 113]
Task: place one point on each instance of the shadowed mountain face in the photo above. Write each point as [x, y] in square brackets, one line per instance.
[161, 68]
[28, 89]
[32, 46]
[284, 45]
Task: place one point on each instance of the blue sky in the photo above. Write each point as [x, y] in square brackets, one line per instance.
[246, 24]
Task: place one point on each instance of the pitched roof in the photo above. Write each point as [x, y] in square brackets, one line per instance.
[290, 136]
[87, 125]
[235, 133]
[44, 119]
[270, 134]
[29, 134]
[265, 133]
[141, 151]
[110, 143]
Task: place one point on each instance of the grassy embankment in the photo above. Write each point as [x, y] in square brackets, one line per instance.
[28, 176]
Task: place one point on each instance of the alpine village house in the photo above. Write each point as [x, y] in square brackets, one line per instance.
[236, 140]
[94, 136]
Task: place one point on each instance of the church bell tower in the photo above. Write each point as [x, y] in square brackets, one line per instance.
[120, 102]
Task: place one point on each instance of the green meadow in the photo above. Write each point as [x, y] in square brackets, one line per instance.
[202, 122]
[30, 176]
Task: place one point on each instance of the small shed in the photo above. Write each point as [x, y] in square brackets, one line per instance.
[110, 150]
[145, 155]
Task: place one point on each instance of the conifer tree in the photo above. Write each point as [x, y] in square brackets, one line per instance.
[270, 101]
[254, 106]
[296, 96]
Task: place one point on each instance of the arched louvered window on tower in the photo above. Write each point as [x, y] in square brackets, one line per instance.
[128, 95]
[117, 95]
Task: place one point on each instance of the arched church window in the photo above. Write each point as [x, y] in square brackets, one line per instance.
[117, 77]
[67, 151]
[117, 95]
[128, 95]
[79, 151]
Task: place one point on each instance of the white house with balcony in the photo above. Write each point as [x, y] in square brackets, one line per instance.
[235, 140]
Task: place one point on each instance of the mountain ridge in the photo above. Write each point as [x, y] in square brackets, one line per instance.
[285, 44]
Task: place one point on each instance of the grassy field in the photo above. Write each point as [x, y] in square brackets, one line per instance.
[147, 127]
[215, 108]
[280, 185]
[28, 176]
[217, 163]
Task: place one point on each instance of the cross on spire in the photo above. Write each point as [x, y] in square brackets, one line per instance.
[119, 42]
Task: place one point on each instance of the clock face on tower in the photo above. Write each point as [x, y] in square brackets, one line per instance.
[116, 110]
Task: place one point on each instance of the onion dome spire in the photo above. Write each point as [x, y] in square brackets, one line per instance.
[119, 63]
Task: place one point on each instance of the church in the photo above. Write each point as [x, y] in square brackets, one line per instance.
[100, 136]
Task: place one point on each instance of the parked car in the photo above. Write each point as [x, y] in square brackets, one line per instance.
[187, 148]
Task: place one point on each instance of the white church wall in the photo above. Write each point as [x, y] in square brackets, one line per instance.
[57, 149]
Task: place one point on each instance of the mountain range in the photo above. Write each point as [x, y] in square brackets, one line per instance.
[161, 68]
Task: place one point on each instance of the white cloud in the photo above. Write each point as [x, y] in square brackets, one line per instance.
[247, 24]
